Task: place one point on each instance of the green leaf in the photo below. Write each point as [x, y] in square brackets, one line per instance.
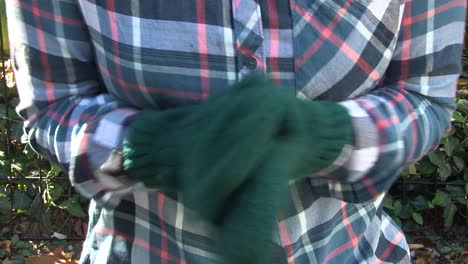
[426, 167]
[442, 247]
[455, 191]
[388, 202]
[431, 235]
[449, 213]
[21, 200]
[397, 207]
[53, 192]
[445, 171]
[459, 163]
[26, 252]
[16, 131]
[437, 158]
[406, 211]
[420, 203]
[73, 208]
[450, 144]
[18, 259]
[462, 105]
[458, 249]
[23, 244]
[14, 239]
[441, 199]
[417, 218]
[38, 211]
[458, 117]
[405, 173]
[461, 200]
[453, 129]
[4, 204]
[412, 170]
[398, 221]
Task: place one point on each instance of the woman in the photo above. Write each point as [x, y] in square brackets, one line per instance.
[207, 156]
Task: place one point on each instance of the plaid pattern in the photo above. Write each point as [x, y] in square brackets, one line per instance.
[85, 67]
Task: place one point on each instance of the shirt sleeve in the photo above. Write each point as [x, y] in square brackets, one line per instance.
[404, 118]
[70, 118]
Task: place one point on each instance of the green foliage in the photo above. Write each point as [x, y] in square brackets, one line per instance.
[413, 205]
[17, 249]
[72, 207]
[18, 163]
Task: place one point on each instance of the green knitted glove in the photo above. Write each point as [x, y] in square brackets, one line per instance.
[319, 132]
[137, 151]
[232, 156]
[204, 151]
[312, 137]
[246, 234]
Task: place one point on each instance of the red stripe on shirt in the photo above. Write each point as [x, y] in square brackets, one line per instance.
[274, 40]
[404, 74]
[164, 91]
[433, 12]
[327, 34]
[406, 44]
[370, 187]
[283, 231]
[42, 13]
[115, 48]
[43, 47]
[203, 49]
[164, 252]
[402, 98]
[352, 243]
[395, 241]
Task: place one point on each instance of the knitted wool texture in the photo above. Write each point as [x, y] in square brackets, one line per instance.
[232, 157]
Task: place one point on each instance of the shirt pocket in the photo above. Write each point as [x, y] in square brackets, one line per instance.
[342, 47]
[154, 58]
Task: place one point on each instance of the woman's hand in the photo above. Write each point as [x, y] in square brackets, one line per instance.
[208, 151]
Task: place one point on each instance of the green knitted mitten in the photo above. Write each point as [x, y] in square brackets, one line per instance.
[319, 132]
[233, 155]
[137, 151]
[204, 151]
[311, 136]
[251, 212]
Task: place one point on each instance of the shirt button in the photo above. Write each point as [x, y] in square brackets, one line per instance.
[251, 63]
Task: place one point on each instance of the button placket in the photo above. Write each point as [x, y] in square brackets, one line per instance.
[251, 63]
[249, 36]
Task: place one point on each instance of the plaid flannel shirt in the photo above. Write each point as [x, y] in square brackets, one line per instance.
[85, 67]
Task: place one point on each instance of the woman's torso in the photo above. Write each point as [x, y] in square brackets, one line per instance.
[163, 54]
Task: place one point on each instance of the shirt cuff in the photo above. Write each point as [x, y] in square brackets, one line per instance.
[359, 158]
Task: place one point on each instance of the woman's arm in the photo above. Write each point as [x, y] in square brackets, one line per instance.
[404, 118]
[69, 116]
